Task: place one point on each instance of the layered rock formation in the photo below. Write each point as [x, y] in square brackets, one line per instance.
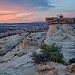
[9, 43]
[63, 36]
[18, 49]
[17, 60]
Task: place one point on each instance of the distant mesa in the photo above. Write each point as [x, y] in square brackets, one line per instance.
[60, 19]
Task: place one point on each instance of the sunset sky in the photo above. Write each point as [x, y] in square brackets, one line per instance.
[22, 11]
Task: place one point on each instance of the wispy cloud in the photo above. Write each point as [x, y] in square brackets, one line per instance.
[7, 12]
[67, 14]
[27, 4]
[7, 18]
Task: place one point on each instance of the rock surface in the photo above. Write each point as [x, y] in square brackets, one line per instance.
[71, 68]
[43, 68]
[64, 37]
[4, 73]
[9, 43]
[17, 60]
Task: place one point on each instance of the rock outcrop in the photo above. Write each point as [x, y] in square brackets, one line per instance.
[63, 36]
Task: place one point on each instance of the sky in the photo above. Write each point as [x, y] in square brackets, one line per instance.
[22, 11]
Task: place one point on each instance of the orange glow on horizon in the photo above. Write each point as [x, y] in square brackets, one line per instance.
[10, 17]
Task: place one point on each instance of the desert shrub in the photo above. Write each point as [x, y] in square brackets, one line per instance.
[52, 48]
[48, 53]
[43, 46]
[38, 58]
[58, 57]
[72, 60]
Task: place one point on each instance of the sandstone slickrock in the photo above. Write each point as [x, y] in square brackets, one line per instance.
[4, 73]
[9, 43]
[64, 37]
[17, 61]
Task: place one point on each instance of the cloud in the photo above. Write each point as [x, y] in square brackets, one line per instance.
[34, 3]
[7, 12]
[67, 14]
[26, 4]
[6, 18]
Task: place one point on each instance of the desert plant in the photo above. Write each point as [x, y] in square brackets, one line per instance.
[38, 58]
[43, 46]
[58, 57]
[52, 48]
[48, 53]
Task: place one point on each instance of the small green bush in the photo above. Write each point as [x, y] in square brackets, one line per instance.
[72, 60]
[48, 53]
[52, 48]
[43, 46]
[58, 58]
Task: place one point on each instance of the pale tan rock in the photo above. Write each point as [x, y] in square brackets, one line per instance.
[73, 64]
[71, 68]
[45, 68]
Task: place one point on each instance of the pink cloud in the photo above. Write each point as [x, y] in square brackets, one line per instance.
[7, 12]
[65, 14]
[39, 18]
[6, 18]
[71, 14]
